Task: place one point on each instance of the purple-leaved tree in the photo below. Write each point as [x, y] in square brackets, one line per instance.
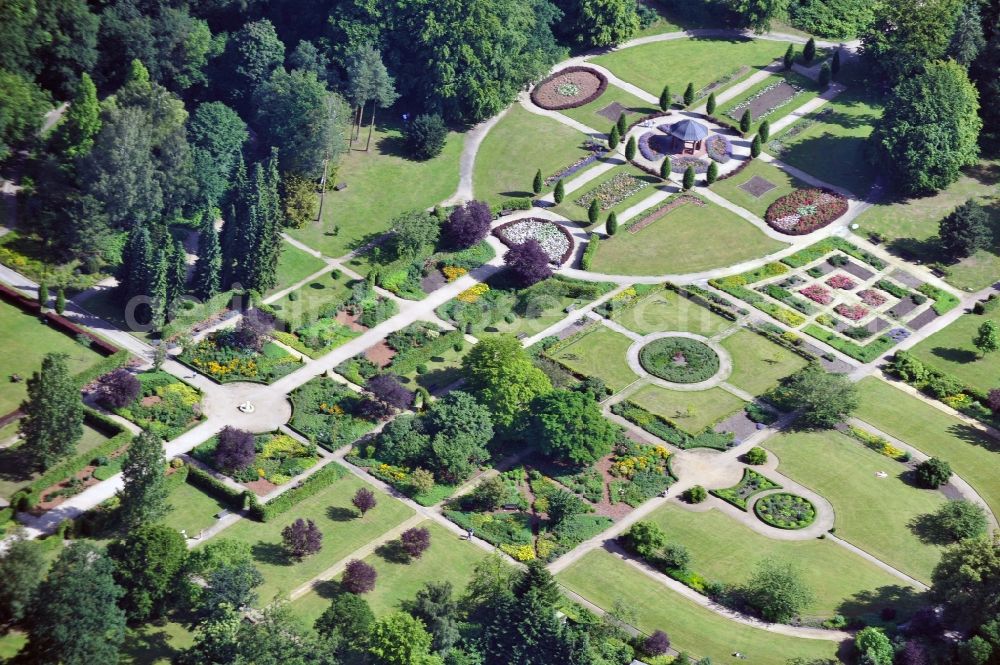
[302, 538]
[117, 389]
[364, 500]
[528, 262]
[657, 644]
[235, 449]
[388, 389]
[415, 541]
[359, 577]
[467, 225]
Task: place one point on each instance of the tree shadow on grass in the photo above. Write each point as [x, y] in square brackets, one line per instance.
[911, 249]
[955, 355]
[929, 529]
[976, 437]
[15, 464]
[148, 647]
[270, 553]
[392, 552]
[341, 514]
[329, 589]
[902, 599]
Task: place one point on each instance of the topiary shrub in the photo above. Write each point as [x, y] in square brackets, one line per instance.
[933, 472]
[756, 456]
[696, 494]
[426, 135]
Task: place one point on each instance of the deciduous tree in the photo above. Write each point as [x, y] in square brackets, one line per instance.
[415, 541]
[22, 569]
[503, 377]
[364, 500]
[148, 562]
[117, 389]
[570, 427]
[528, 263]
[53, 413]
[965, 230]
[426, 135]
[470, 223]
[359, 577]
[302, 538]
[824, 399]
[776, 591]
[143, 496]
[987, 338]
[399, 639]
[235, 449]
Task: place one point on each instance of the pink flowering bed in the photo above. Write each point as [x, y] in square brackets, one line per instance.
[871, 298]
[817, 293]
[841, 282]
[805, 210]
[852, 312]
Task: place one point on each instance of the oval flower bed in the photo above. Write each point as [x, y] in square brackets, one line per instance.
[805, 210]
[785, 511]
[569, 88]
[679, 360]
[554, 239]
[719, 148]
[654, 146]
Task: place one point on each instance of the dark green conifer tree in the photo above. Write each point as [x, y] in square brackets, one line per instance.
[622, 124]
[789, 57]
[136, 270]
[809, 52]
[143, 496]
[665, 98]
[53, 413]
[536, 184]
[208, 269]
[710, 104]
[689, 94]
[177, 273]
[689, 176]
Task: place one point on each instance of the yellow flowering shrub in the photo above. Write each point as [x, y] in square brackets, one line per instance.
[283, 445]
[453, 272]
[518, 552]
[188, 396]
[545, 548]
[473, 293]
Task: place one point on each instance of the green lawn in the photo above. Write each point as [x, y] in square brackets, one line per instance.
[951, 350]
[443, 370]
[683, 61]
[518, 145]
[602, 579]
[758, 363]
[294, 265]
[310, 298]
[682, 242]
[833, 148]
[343, 532]
[972, 455]
[15, 471]
[381, 184]
[666, 311]
[873, 513]
[809, 88]
[784, 183]
[691, 410]
[449, 558]
[155, 645]
[11, 642]
[588, 113]
[572, 210]
[192, 509]
[599, 352]
[911, 225]
[724, 550]
[25, 340]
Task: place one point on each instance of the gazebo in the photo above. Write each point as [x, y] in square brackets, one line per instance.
[690, 133]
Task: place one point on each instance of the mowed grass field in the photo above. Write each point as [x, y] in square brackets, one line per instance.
[679, 62]
[589, 115]
[191, 509]
[724, 550]
[381, 184]
[682, 242]
[951, 350]
[599, 352]
[449, 559]
[25, 340]
[517, 146]
[690, 410]
[343, 532]
[875, 514]
[602, 578]
[758, 363]
[666, 311]
[784, 183]
[971, 453]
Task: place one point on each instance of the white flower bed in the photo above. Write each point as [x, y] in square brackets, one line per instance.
[737, 111]
[549, 236]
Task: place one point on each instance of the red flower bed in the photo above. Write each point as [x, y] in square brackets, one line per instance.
[589, 83]
[871, 298]
[852, 312]
[841, 282]
[805, 210]
[817, 293]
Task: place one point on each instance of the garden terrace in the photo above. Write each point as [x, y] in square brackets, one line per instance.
[406, 352]
[603, 579]
[842, 582]
[568, 88]
[676, 244]
[596, 351]
[448, 558]
[313, 319]
[343, 532]
[757, 186]
[667, 431]
[278, 458]
[972, 454]
[165, 406]
[520, 142]
[647, 309]
[844, 472]
[326, 411]
[750, 485]
[555, 240]
[350, 219]
[698, 61]
[637, 472]
[693, 411]
[224, 357]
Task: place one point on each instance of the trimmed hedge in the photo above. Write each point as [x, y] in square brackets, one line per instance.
[824, 247]
[943, 301]
[105, 365]
[590, 252]
[750, 484]
[865, 354]
[314, 484]
[212, 486]
[707, 299]
[666, 430]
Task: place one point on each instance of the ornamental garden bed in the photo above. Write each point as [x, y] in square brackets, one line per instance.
[613, 191]
[766, 101]
[752, 483]
[410, 349]
[655, 145]
[554, 239]
[327, 412]
[569, 88]
[805, 210]
[596, 153]
[277, 459]
[679, 360]
[827, 246]
[661, 210]
[680, 164]
[666, 430]
[225, 356]
[785, 511]
[719, 148]
[165, 406]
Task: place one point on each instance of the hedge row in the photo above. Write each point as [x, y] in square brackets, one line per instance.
[865, 354]
[590, 252]
[30, 306]
[212, 486]
[824, 247]
[707, 299]
[666, 430]
[943, 301]
[314, 484]
[107, 364]
[943, 386]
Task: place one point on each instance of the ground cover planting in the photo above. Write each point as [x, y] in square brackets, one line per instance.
[845, 472]
[555, 240]
[667, 430]
[329, 413]
[227, 356]
[805, 210]
[785, 511]
[679, 360]
[639, 472]
[664, 309]
[603, 578]
[165, 405]
[758, 363]
[597, 351]
[617, 190]
[772, 99]
[676, 244]
[692, 411]
[757, 186]
[750, 485]
[266, 461]
[405, 353]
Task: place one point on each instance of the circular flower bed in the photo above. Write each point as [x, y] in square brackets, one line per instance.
[554, 239]
[785, 511]
[569, 88]
[654, 146]
[805, 210]
[719, 148]
[679, 360]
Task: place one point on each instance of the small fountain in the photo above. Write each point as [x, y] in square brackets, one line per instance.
[246, 407]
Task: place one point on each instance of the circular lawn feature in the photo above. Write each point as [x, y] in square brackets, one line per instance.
[805, 210]
[785, 511]
[679, 360]
[569, 88]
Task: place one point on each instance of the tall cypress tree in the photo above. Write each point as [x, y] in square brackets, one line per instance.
[208, 269]
[136, 270]
[272, 221]
[143, 496]
[75, 136]
[233, 230]
[53, 420]
[158, 289]
[177, 273]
